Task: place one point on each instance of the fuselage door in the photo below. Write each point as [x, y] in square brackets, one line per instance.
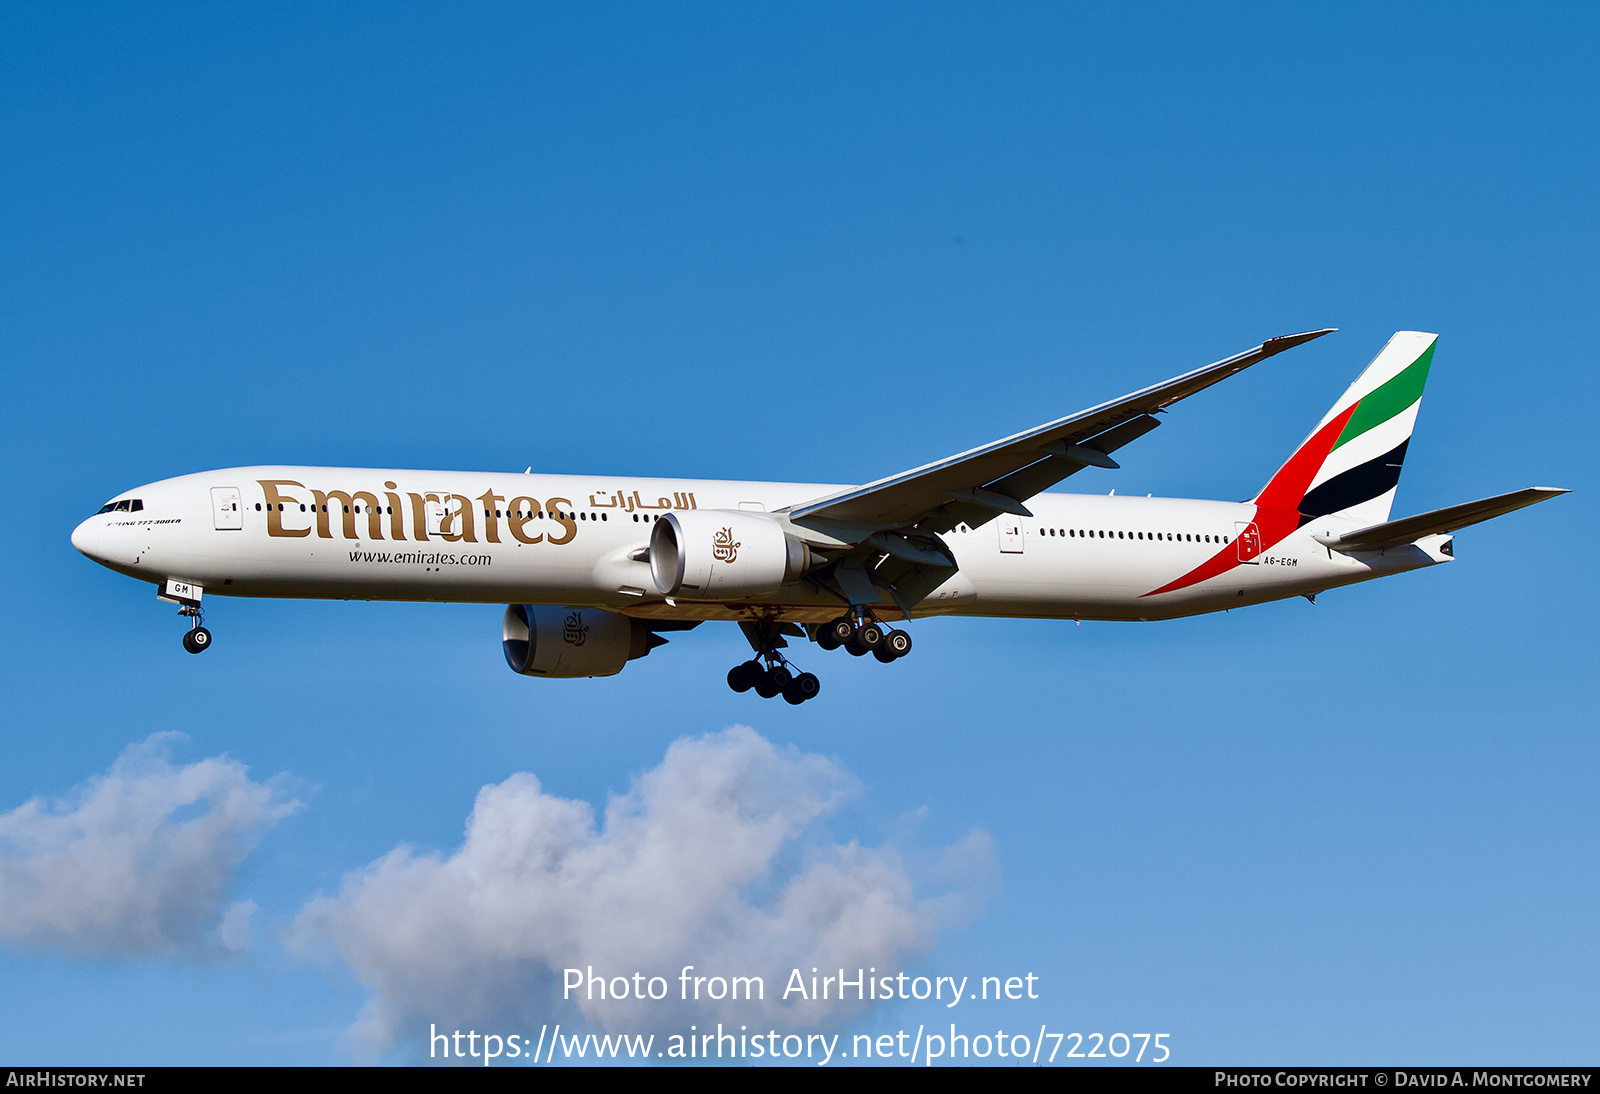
[435, 511]
[1248, 539]
[227, 512]
[1010, 535]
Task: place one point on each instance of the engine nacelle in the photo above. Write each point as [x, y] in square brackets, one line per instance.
[563, 642]
[713, 554]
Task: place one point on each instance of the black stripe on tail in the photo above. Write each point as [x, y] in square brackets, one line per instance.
[1361, 483]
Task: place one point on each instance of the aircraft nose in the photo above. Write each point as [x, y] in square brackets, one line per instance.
[86, 538]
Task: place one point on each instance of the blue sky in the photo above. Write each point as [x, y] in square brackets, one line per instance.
[826, 243]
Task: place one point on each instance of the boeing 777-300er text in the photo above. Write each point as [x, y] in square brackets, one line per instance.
[594, 570]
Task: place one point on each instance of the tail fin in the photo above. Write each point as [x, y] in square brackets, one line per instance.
[1350, 465]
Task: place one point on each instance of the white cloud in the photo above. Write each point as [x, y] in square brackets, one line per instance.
[710, 859]
[137, 860]
[234, 929]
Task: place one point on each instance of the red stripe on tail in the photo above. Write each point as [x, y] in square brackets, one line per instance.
[1293, 479]
[1277, 506]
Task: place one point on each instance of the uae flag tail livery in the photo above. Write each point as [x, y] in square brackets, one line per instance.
[1350, 465]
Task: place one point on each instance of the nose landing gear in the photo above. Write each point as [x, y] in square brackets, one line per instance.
[187, 597]
[196, 639]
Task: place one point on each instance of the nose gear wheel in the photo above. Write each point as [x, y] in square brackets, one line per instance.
[196, 639]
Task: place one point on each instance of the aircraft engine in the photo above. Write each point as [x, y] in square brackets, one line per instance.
[540, 640]
[713, 554]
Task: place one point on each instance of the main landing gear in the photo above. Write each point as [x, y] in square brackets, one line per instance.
[769, 675]
[864, 637]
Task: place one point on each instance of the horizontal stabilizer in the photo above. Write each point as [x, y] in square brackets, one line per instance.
[1394, 533]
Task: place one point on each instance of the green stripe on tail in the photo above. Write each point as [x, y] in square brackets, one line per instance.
[1389, 399]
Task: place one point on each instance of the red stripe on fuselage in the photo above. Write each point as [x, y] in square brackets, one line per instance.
[1277, 506]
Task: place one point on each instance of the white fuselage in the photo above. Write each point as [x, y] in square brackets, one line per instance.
[365, 534]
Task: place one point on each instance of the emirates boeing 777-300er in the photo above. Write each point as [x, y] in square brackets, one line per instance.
[595, 569]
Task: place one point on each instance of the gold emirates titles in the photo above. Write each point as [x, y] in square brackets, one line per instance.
[457, 522]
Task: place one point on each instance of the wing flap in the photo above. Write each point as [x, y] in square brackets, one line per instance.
[1068, 459]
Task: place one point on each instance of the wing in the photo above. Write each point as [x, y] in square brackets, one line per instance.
[975, 486]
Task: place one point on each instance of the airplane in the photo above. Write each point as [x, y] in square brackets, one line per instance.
[596, 569]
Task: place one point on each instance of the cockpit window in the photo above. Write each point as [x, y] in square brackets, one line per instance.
[126, 505]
